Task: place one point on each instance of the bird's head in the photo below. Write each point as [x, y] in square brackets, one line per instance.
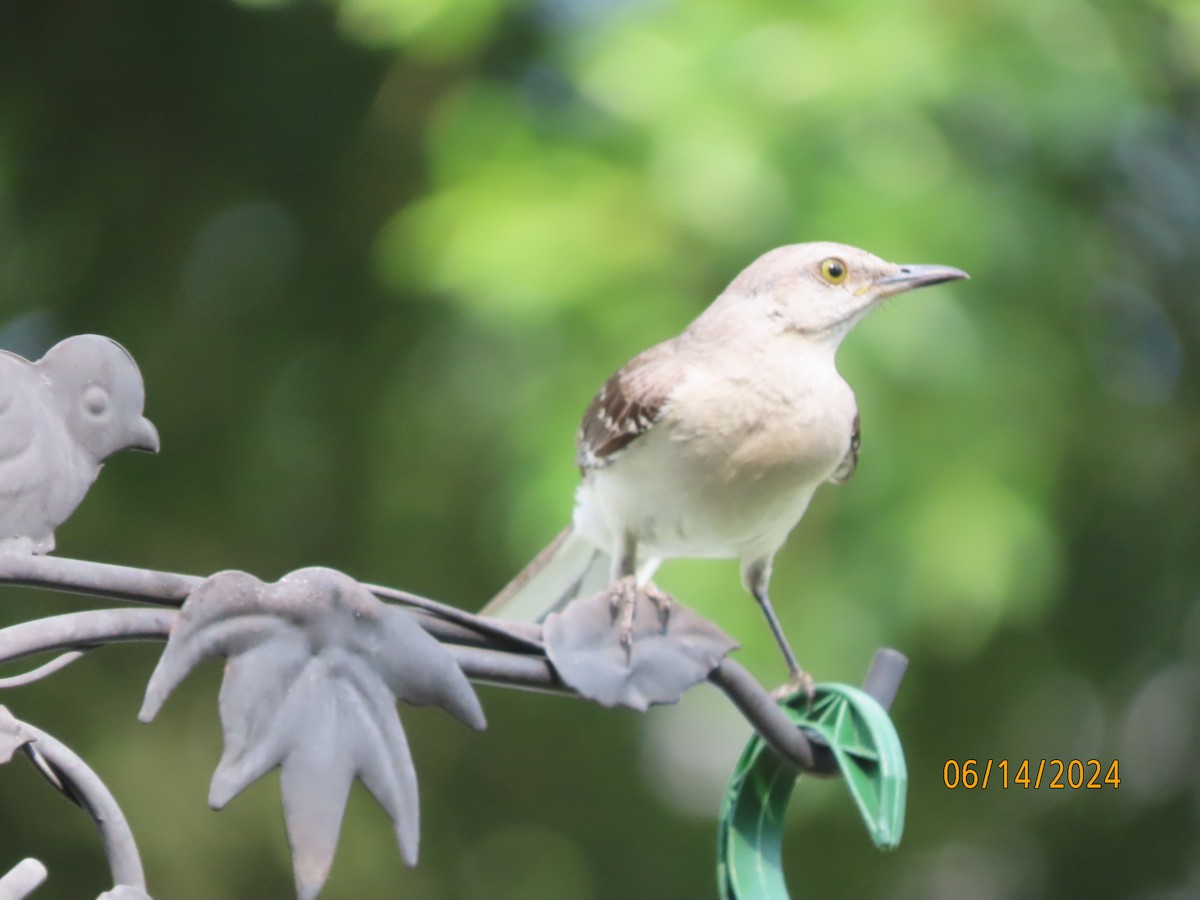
[99, 391]
[821, 290]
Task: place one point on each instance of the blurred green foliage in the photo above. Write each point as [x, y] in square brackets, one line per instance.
[374, 256]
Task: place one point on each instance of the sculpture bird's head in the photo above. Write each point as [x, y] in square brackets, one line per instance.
[99, 391]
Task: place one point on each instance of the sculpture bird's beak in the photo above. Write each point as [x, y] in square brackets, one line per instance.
[145, 437]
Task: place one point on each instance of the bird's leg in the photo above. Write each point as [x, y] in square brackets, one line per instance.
[623, 592]
[622, 600]
[798, 679]
[628, 584]
[758, 575]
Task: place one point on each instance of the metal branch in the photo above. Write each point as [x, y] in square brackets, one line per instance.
[521, 634]
[71, 631]
[43, 671]
[71, 775]
[763, 713]
[504, 654]
[506, 669]
[22, 879]
[883, 678]
[77, 576]
[769, 720]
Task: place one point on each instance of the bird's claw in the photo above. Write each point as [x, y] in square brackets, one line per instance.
[623, 600]
[798, 682]
[663, 603]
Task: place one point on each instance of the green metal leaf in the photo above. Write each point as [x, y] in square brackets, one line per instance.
[864, 743]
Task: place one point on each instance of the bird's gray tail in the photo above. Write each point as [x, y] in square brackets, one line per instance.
[567, 568]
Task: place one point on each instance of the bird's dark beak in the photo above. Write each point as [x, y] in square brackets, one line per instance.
[145, 437]
[906, 278]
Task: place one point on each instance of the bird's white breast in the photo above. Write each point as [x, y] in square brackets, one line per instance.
[732, 465]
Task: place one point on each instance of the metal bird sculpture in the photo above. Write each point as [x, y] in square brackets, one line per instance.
[60, 418]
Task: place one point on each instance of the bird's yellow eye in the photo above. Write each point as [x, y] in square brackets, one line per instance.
[833, 270]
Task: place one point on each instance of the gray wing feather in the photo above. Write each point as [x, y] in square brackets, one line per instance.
[628, 405]
[846, 468]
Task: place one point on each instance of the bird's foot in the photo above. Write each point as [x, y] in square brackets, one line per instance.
[663, 603]
[799, 681]
[622, 600]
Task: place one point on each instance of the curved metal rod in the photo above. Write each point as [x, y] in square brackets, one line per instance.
[758, 707]
[22, 879]
[95, 579]
[46, 669]
[767, 718]
[483, 648]
[763, 713]
[71, 631]
[72, 776]
[523, 634]
[883, 678]
[502, 668]
[77, 576]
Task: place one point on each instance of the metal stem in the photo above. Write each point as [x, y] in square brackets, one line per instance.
[77, 781]
[77, 576]
[487, 651]
[22, 879]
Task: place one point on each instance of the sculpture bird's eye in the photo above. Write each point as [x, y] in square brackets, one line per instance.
[95, 400]
[834, 270]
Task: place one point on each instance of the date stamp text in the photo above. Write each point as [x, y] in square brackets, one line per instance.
[1031, 774]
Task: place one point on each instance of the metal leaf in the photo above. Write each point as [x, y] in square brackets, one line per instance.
[60, 418]
[315, 665]
[584, 643]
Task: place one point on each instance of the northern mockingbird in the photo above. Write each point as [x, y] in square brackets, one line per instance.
[711, 444]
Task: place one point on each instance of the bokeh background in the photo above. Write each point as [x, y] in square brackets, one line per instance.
[375, 256]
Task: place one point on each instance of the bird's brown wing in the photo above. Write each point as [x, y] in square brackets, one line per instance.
[849, 463]
[627, 406]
